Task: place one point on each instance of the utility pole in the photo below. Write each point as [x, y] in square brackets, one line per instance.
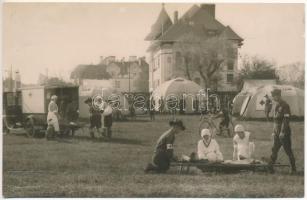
[129, 75]
[11, 79]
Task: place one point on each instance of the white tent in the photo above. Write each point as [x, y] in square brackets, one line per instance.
[177, 88]
[249, 88]
[253, 104]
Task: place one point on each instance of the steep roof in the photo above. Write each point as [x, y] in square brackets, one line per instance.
[162, 24]
[197, 21]
[230, 34]
[190, 12]
[90, 72]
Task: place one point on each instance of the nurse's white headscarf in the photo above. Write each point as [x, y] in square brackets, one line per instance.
[54, 97]
[205, 132]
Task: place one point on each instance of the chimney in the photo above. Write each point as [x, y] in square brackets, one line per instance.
[132, 58]
[209, 8]
[176, 17]
[101, 59]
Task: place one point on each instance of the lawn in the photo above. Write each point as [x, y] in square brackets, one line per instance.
[81, 167]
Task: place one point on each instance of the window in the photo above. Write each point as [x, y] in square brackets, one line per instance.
[232, 52]
[154, 65]
[230, 78]
[117, 84]
[178, 58]
[169, 59]
[211, 32]
[230, 65]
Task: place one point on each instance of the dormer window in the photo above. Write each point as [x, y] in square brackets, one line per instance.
[211, 32]
[191, 23]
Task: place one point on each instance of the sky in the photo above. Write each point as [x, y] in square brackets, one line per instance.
[60, 36]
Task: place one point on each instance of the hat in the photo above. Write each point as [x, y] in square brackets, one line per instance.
[177, 122]
[239, 128]
[54, 97]
[205, 132]
[276, 92]
[266, 95]
[88, 100]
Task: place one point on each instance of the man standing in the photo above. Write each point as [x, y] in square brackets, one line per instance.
[282, 131]
[95, 117]
[267, 107]
[107, 119]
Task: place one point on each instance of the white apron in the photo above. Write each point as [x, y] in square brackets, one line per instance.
[52, 119]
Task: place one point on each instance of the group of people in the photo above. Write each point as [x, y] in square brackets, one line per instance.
[96, 113]
[95, 117]
[208, 149]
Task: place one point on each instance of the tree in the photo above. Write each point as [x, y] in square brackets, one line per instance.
[254, 67]
[292, 74]
[203, 55]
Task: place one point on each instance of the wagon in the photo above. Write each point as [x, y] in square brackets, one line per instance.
[28, 107]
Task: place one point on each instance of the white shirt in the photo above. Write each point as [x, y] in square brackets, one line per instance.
[210, 152]
[242, 145]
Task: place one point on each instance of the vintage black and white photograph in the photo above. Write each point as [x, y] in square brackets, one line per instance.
[153, 99]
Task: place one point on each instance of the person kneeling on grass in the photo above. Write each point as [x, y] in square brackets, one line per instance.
[164, 152]
[208, 149]
[243, 148]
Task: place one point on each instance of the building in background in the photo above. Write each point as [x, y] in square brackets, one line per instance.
[120, 75]
[165, 60]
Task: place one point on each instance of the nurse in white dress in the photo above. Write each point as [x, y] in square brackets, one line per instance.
[52, 117]
[208, 148]
[243, 148]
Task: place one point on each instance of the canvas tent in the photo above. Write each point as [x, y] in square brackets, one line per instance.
[249, 88]
[178, 88]
[253, 104]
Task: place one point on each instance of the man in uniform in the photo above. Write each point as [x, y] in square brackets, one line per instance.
[164, 152]
[282, 131]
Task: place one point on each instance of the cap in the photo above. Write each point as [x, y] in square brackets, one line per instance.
[276, 92]
[205, 132]
[239, 128]
[177, 122]
[54, 97]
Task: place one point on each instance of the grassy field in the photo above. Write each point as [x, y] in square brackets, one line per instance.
[80, 167]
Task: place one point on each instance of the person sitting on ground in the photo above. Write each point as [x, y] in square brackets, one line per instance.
[164, 152]
[208, 149]
[243, 148]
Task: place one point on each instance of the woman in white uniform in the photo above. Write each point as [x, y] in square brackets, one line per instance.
[243, 148]
[52, 117]
[208, 148]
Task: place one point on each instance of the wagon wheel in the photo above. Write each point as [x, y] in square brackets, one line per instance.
[29, 127]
